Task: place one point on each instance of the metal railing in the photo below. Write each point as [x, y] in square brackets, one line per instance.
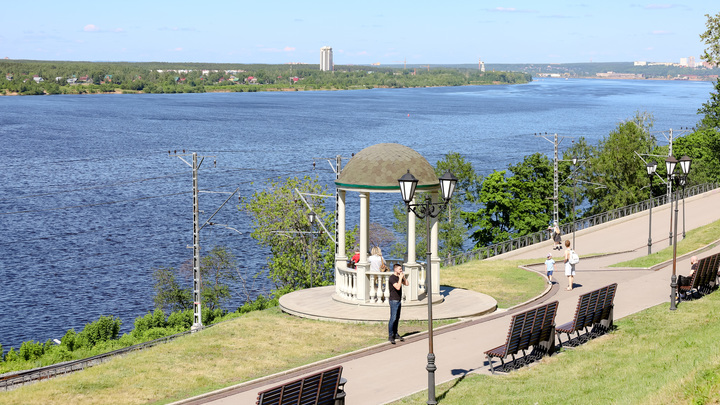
[580, 224]
[12, 380]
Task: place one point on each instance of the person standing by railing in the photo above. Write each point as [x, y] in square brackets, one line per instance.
[397, 280]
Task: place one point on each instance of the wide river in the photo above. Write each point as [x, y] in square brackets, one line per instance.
[90, 201]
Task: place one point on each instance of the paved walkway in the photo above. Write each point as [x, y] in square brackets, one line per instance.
[459, 347]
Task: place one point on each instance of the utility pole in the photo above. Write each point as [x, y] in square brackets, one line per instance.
[197, 276]
[556, 202]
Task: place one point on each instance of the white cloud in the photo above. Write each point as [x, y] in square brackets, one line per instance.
[91, 28]
[289, 49]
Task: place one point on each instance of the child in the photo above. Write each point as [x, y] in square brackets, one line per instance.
[549, 267]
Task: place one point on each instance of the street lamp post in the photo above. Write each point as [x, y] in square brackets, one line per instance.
[574, 162]
[311, 218]
[651, 167]
[670, 164]
[428, 209]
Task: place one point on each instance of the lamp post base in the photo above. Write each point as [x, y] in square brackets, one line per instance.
[431, 379]
[673, 292]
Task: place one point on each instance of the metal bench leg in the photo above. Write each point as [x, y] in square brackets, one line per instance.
[492, 368]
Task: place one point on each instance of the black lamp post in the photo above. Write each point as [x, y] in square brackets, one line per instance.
[574, 162]
[428, 209]
[311, 218]
[670, 164]
[651, 167]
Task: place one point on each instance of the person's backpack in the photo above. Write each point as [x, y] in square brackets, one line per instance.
[574, 258]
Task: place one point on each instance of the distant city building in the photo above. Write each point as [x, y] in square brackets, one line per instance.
[326, 59]
[481, 65]
[640, 63]
[684, 62]
[691, 61]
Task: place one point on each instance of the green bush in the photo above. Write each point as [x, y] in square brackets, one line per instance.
[181, 320]
[11, 355]
[104, 329]
[31, 350]
[68, 341]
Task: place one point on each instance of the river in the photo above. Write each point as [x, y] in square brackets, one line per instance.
[91, 202]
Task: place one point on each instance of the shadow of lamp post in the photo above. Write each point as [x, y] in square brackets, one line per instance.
[428, 209]
[679, 180]
[651, 167]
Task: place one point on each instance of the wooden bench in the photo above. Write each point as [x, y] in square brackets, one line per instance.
[684, 291]
[594, 309]
[533, 328]
[322, 388]
[703, 279]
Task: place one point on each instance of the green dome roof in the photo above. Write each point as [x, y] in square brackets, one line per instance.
[378, 168]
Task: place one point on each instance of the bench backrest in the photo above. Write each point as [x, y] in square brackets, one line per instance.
[594, 306]
[710, 270]
[319, 388]
[531, 327]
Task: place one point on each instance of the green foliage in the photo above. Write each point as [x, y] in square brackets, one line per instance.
[280, 223]
[180, 320]
[155, 319]
[614, 165]
[31, 350]
[169, 294]
[260, 303]
[68, 341]
[104, 329]
[513, 205]
[703, 146]
[711, 110]
[217, 268]
[452, 231]
[153, 77]
[711, 38]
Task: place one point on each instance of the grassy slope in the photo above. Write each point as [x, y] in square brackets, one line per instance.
[254, 345]
[656, 356]
[694, 239]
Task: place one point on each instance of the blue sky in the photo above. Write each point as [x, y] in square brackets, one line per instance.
[360, 32]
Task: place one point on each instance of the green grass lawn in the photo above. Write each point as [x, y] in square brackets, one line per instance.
[254, 345]
[694, 239]
[656, 356]
[501, 279]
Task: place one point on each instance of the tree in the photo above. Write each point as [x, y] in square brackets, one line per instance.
[217, 268]
[711, 37]
[170, 296]
[280, 223]
[615, 165]
[514, 205]
[711, 110]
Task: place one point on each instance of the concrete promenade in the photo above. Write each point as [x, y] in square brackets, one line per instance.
[383, 373]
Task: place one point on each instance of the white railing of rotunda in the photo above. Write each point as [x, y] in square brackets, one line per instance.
[377, 285]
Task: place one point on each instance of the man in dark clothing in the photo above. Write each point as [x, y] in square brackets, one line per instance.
[397, 280]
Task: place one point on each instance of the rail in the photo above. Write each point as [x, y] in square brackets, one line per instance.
[14, 379]
[580, 224]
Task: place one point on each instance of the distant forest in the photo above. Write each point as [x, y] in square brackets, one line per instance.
[592, 69]
[27, 77]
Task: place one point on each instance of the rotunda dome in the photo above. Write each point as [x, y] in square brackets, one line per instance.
[377, 168]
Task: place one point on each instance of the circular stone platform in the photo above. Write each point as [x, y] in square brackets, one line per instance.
[318, 303]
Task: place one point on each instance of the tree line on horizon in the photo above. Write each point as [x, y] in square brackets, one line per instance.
[57, 77]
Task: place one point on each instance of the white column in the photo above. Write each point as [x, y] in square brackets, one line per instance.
[340, 255]
[411, 266]
[411, 238]
[435, 262]
[363, 265]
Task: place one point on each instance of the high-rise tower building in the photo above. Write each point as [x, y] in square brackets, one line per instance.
[326, 59]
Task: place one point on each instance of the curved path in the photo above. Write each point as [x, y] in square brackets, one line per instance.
[459, 347]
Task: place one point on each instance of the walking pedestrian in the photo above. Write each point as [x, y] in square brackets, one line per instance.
[549, 268]
[569, 267]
